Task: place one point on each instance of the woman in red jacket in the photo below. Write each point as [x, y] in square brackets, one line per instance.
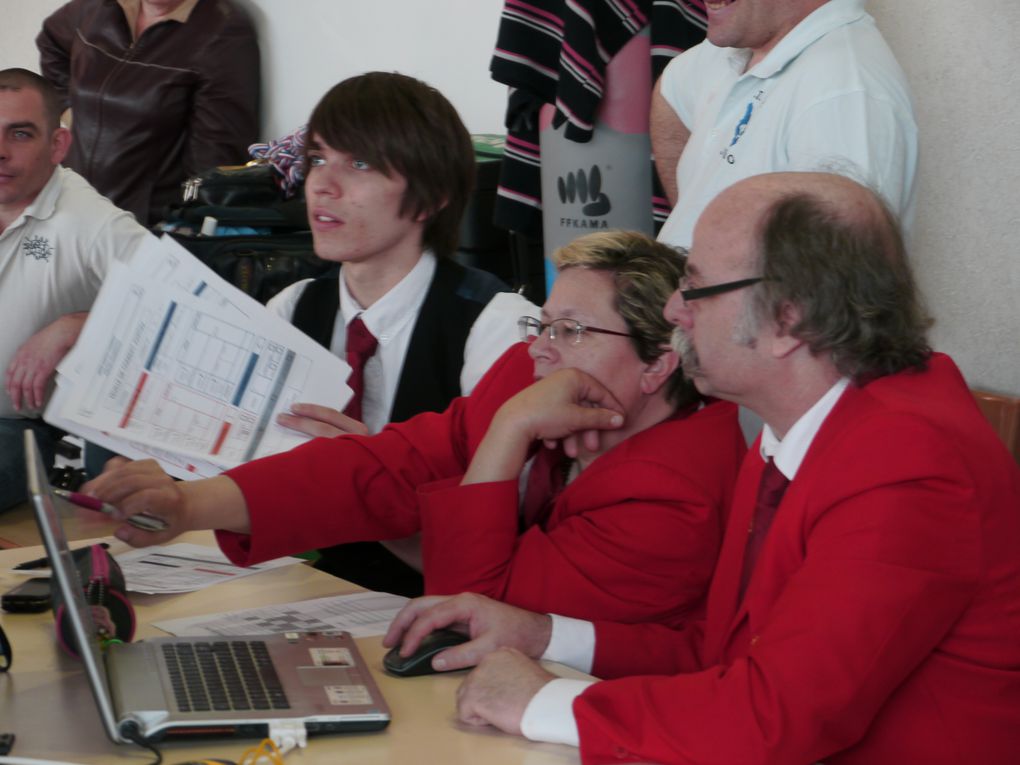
[646, 473]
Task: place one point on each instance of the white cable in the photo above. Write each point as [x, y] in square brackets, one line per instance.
[31, 761]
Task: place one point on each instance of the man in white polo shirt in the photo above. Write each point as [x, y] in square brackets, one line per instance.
[58, 237]
[782, 85]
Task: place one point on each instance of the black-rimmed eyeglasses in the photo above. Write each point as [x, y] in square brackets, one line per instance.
[568, 329]
[689, 293]
[696, 293]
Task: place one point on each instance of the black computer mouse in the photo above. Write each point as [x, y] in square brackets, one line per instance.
[420, 662]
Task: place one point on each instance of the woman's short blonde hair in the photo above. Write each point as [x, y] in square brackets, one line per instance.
[645, 274]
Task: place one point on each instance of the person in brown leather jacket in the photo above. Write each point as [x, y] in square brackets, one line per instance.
[159, 90]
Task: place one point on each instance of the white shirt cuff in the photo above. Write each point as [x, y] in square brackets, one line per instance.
[549, 715]
[572, 643]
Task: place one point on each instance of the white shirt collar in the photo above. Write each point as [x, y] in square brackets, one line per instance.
[387, 315]
[45, 202]
[790, 452]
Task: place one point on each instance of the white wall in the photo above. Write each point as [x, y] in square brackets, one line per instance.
[964, 69]
[310, 45]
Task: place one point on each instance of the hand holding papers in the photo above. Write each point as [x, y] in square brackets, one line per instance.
[177, 364]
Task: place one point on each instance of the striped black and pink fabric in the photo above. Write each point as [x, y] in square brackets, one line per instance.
[555, 52]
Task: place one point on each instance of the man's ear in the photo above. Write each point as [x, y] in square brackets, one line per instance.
[426, 215]
[657, 372]
[60, 144]
[783, 341]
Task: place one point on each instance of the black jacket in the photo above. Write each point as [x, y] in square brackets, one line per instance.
[147, 114]
[430, 376]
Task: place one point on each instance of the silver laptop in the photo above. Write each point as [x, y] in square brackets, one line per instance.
[169, 687]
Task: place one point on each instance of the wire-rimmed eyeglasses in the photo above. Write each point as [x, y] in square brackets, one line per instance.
[569, 330]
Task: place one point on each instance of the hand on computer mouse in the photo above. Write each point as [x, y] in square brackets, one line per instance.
[490, 624]
[420, 660]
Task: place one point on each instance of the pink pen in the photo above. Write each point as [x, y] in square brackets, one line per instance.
[142, 521]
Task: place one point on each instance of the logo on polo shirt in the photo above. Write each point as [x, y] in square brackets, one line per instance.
[37, 247]
[741, 127]
[585, 188]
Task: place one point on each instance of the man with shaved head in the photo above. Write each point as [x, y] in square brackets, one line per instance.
[58, 239]
[782, 85]
[865, 609]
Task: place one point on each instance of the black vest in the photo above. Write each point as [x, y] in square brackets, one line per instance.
[430, 376]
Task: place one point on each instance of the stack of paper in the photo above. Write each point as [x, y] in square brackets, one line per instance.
[177, 364]
[363, 614]
[184, 567]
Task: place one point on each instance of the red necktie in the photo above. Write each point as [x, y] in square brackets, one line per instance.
[545, 481]
[770, 494]
[360, 347]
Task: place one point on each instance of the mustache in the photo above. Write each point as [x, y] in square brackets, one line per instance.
[684, 348]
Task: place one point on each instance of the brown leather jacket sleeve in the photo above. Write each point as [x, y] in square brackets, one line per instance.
[54, 44]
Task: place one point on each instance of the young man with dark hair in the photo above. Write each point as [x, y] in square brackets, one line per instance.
[58, 237]
[390, 168]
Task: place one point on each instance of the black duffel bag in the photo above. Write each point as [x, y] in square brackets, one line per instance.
[252, 185]
[260, 265]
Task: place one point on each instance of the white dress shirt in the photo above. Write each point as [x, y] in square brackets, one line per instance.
[391, 321]
[549, 715]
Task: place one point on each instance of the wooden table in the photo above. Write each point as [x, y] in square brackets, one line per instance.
[46, 702]
[18, 529]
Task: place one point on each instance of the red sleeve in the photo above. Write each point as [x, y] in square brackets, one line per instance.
[344, 489]
[358, 488]
[634, 538]
[663, 650]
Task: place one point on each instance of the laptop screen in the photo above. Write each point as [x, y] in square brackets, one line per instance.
[65, 575]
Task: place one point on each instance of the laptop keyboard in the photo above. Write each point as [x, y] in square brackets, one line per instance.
[223, 675]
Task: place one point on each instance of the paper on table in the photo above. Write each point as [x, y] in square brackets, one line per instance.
[202, 373]
[184, 567]
[363, 614]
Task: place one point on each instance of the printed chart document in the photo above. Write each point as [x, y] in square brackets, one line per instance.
[184, 567]
[177, 364]
[363, 614]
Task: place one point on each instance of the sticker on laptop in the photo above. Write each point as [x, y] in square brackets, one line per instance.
[331, 657]
[348, 695]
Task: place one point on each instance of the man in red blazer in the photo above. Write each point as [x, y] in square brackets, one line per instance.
[875, 620]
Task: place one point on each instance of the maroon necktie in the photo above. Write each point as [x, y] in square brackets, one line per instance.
[545, 481]
[770, 494]
[360, 347]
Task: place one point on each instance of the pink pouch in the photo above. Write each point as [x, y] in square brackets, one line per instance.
[103, 581]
